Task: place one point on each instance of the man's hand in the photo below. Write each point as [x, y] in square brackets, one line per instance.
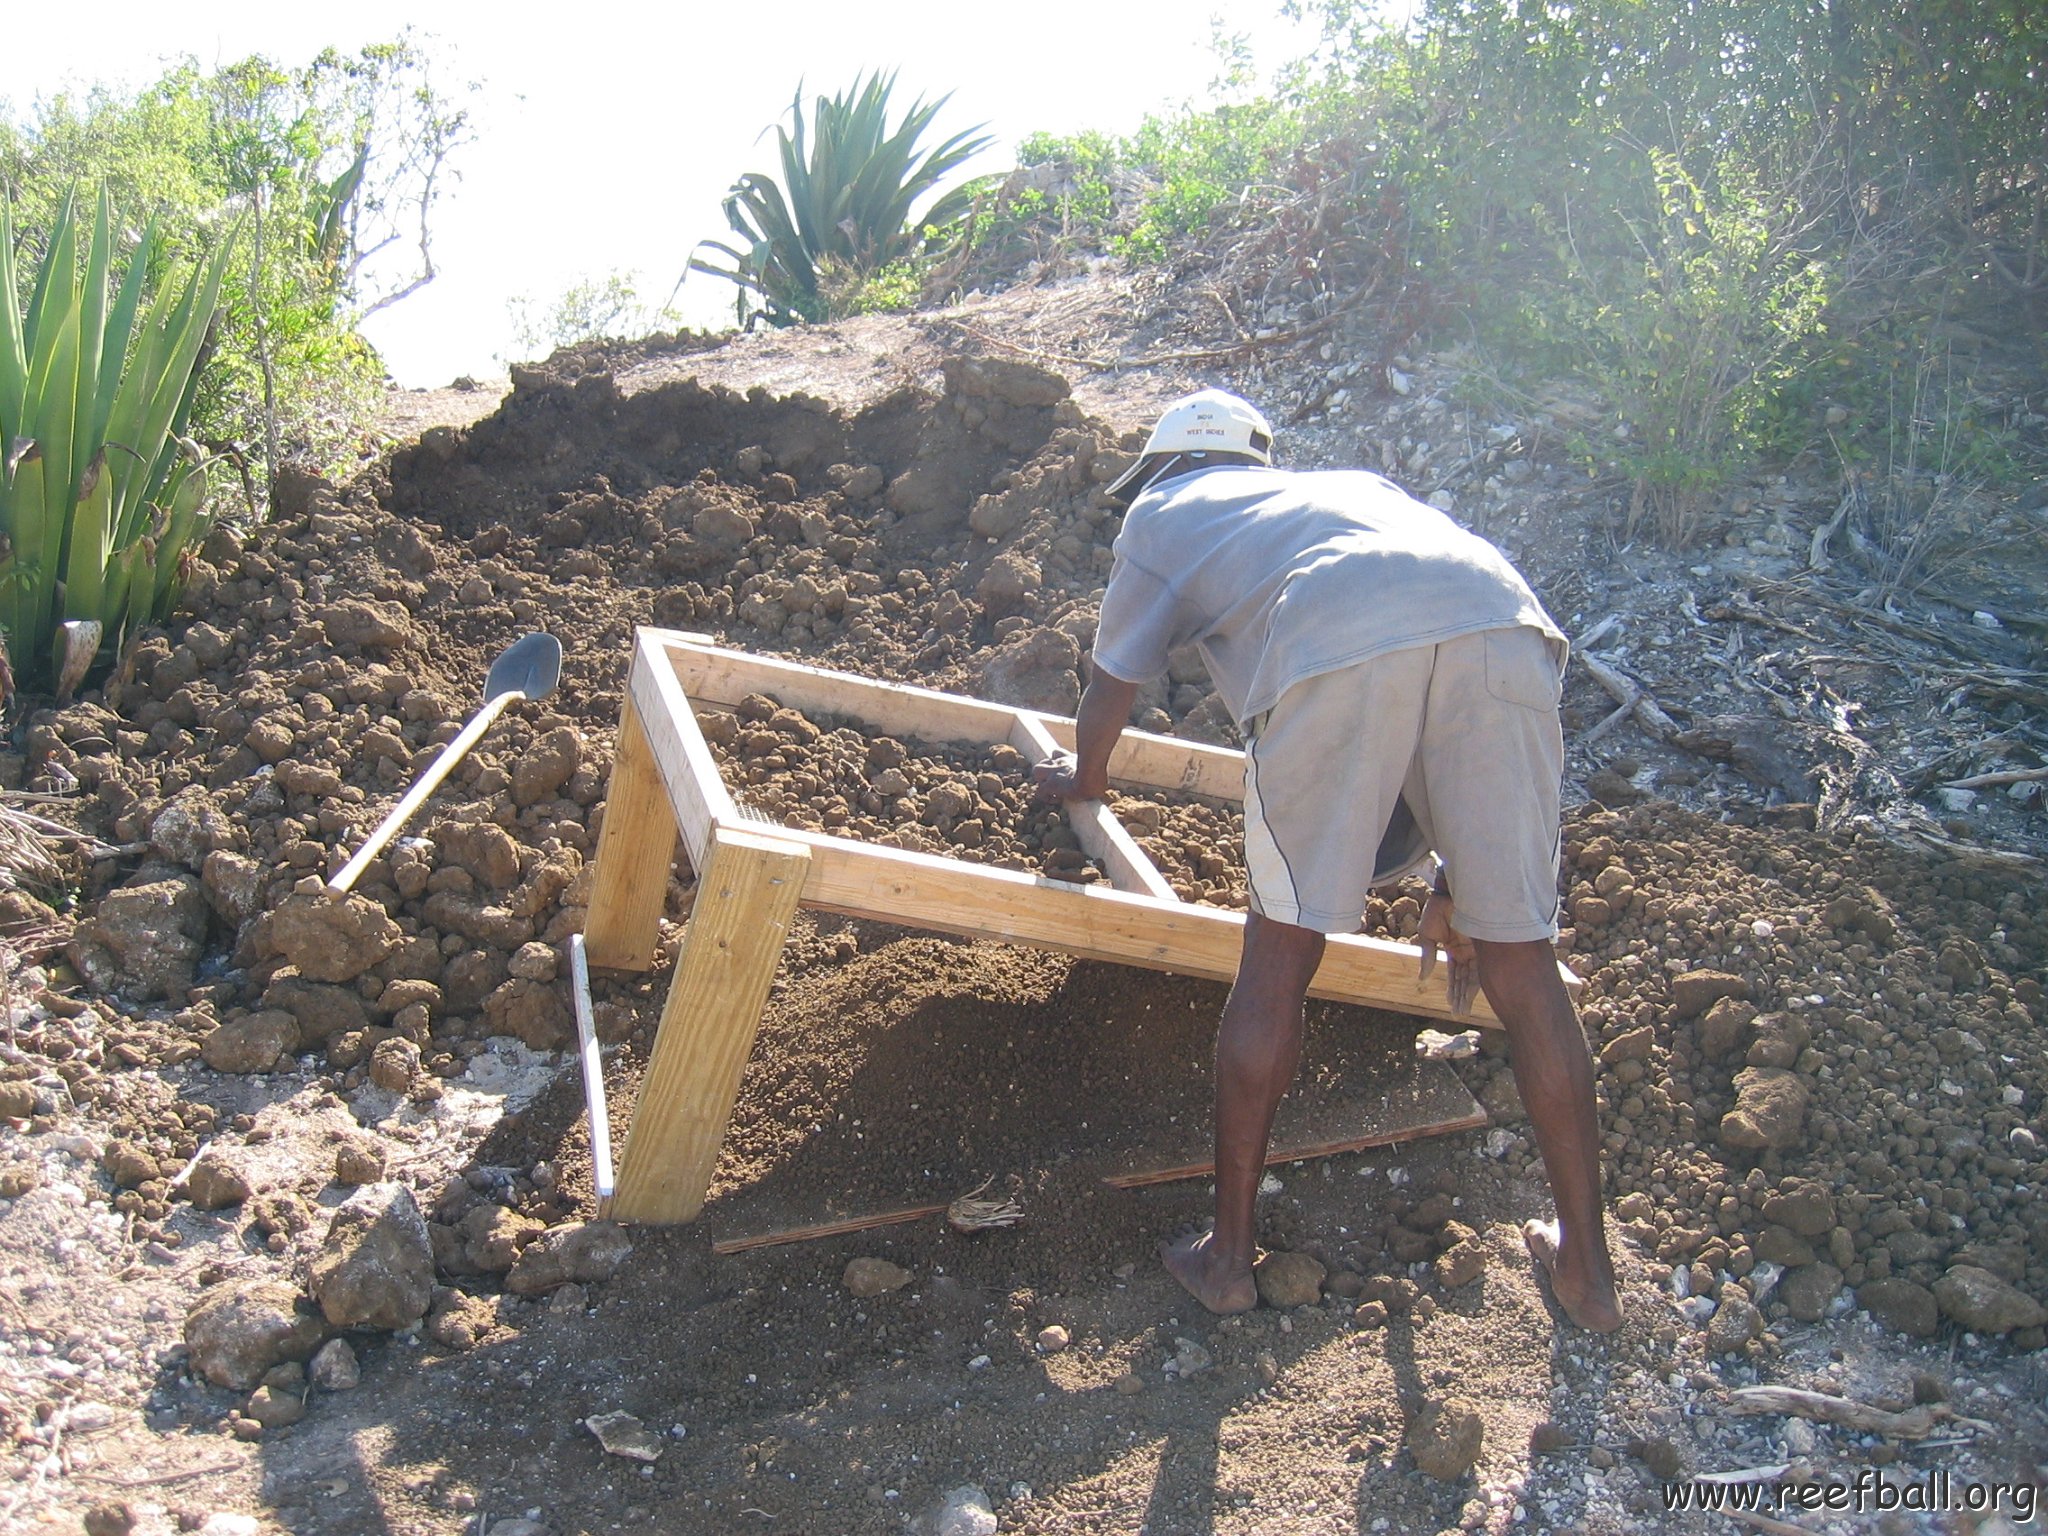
[1436, 931]
[1059, 778]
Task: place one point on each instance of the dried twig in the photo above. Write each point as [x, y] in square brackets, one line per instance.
[1914, 1424]
[2000, 779]
[1625, 690]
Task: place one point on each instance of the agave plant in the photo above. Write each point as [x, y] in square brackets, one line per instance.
[849, 184]
[101, 495]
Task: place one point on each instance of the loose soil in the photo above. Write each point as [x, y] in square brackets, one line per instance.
[1821, 1075]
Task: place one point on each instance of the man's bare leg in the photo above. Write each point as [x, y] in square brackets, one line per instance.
[1258, 1046]
[1554, 1074]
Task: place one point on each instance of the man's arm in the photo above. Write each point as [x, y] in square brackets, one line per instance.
[1105, 709]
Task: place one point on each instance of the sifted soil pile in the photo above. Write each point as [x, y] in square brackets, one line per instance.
[1821, 1074]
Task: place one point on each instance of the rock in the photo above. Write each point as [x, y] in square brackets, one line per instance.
[320, 1009]
[1735, 1322]
[144, 939]
[535, 962]
[962, 1511]
[375, 1268]
[623, 1435]
[1462, 1263]
[1190, 1358]
[1901, 1306]
[492, 927]
[1006, 586]
[1445, 1440]
[17, 1100]
[1725, 1028]
[1053, 1338]
[189, 827]
[1130, 1384]
[109, 1519]
[276, 1407]
[546, 766]
[255, 1042]
[217, 1181]
[1780, 1038]
[395, 1065]
[1809, 1291]
[1370, 1314]
[358, 1162]
[533, 1011]
[492, 1238]
[1769, 1112]
[334, 1368]
[240, 1329]
[234, 885]
[1694, 991]
[1804, 1205]
[1781, 1245]
[865, 1277]
[582, 1253]
[460, 1321]
[367, 623]
[483, 848]
[1659, 1455]
[1983, 1303]
[1036, 670]
[1633, 1045]
[1288, 1279]
[325, 939]
[128, 1164]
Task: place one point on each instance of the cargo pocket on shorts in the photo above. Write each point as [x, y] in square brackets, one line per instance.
[1520, 668]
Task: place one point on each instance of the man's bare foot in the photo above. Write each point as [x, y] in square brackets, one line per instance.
[1209, 1278]
[1588, 1300]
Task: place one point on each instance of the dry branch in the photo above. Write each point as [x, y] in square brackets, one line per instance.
[1626, 691]
[1914, 1424]
[2000, 779]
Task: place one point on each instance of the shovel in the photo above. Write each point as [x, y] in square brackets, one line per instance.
[528, 668]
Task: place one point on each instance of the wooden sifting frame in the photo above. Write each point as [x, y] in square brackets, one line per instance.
[668, 799]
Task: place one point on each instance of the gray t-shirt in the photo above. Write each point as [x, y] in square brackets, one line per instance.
[1280, 575]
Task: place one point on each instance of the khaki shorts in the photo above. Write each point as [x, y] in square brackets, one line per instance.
[1465, 733]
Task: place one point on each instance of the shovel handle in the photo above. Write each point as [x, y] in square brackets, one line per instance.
[416, 797]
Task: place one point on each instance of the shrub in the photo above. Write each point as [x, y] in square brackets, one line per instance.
[849, 194]
[102, 495]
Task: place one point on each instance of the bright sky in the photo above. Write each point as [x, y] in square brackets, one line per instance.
[606, 134]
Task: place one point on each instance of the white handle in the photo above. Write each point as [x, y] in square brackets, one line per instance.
[417, 795]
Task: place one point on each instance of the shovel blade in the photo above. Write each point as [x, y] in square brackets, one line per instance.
[530, 667]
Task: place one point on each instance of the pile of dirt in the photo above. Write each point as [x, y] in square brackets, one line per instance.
[1821, 1074]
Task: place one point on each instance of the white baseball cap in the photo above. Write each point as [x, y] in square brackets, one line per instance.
[1208, 421]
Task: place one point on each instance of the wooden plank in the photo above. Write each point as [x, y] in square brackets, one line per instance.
[716, 675]
[748, 885]
[1412, 1100]
[1097, 923]
[636, 849]
[727, 1245]
[1096, 828]
[695, 790]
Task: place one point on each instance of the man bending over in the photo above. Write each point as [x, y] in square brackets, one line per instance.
[1397, 685]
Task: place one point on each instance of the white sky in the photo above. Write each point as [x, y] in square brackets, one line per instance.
[606, 134]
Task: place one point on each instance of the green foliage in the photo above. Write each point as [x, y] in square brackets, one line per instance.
[337, 167]
[849, 194]
[101, 496]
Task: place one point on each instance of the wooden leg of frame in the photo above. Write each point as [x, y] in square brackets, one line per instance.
[746, 895]
[635, 852]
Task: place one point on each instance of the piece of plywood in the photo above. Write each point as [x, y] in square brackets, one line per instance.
[1101, 836]
[1095, 922]
[747, 890]
[697, 792]
[1429, 1101]
[636, 849]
